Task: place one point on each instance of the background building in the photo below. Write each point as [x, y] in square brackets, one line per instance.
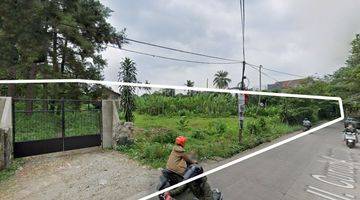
[285, 84]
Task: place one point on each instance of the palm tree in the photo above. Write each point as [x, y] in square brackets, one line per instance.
[221, 80]
[127, 74]
[190, 83]
[147, 89]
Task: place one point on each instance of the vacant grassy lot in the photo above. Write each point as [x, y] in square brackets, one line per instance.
[208, 137]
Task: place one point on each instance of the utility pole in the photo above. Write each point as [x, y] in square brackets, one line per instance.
[260, 83]
[241, 105]
[241, 100]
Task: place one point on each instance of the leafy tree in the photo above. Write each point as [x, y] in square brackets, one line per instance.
[127, 74]
[54, 39]
[190, 83]
[168, 92]
[147, 89]
[345, 81]
[221, 80]
[354, 58]
[21, 39]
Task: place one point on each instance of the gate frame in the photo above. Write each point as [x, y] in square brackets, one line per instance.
[63, 143]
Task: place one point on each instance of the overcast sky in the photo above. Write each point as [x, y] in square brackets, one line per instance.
[302, 37]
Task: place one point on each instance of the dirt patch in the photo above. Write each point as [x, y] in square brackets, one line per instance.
[82, 174]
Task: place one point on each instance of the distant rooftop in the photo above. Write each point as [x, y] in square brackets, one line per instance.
[286, 84]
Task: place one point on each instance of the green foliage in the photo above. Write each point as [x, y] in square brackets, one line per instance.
[343, 83]
[183, 123]
[156, 151]
[354, 58]
[202, 104]
[190, 83]
[253, 128]
[127, 74]
[257, 126]
[7, 173]
[221, 80]
[164, 137]
[217, 127]
[199, 134]
[40, 125]
[208, 137]
[54, 39]
[168, 92]
[255, 111]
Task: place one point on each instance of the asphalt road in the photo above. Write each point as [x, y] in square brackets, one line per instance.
[317, 166]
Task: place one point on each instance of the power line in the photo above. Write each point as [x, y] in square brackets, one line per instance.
[263, 73]
[276, 71]
[180, 50]
[164, 47]
[234, 61]
[174, 59]
[208, 56]
[267, 75]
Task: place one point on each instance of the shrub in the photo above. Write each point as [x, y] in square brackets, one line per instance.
[199, 134]
[296, 115]
[183, 123]
[155, 151]
[257, 126]
[203, 104]
[263, 124]
[256, 111]
[219, 139]
[253, 127]
[217, 127]
[164, 137]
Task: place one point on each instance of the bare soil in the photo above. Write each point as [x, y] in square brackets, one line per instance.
[82, 174]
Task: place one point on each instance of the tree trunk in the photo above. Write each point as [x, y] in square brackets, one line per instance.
[11, 87]
[63, 61]
[55, 63]
[54, 55]
[30, 90]
[44, 70]
[62, 66]
[45, 95]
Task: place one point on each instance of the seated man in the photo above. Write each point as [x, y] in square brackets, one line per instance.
[199, 188]
[350, 129]
[178, 160]
[306, 122]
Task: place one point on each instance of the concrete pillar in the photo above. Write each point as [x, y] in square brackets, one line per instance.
[2, 149]
[107, 126]
[6, 132]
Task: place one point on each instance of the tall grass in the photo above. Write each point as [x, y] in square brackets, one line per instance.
[204, 104]
[208, 137]
[291, 110]
[210, 122]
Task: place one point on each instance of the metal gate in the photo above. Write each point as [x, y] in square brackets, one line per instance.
[47, 125]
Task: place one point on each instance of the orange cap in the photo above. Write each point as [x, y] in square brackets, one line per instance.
[181, 140]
